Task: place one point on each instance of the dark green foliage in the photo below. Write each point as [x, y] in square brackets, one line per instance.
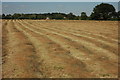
[3, 15]
[16, 16]
[103, 11]
[70, 16]
[9, 16]
[58, 16]
[83, 16]
[118, 15]
[0, 16]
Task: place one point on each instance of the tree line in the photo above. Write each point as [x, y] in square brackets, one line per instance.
[103, 11]
[59, 16]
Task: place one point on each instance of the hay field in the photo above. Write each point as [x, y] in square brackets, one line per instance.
[59, 49]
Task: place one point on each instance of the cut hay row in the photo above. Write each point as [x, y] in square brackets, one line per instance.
[56, 49]
[69, 46]
[63, 26]
[73, 38]
[19, 54]
[98, 42]
[55, 57]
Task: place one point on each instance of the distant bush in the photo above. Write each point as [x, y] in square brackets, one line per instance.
[58, 16]
[84, 16]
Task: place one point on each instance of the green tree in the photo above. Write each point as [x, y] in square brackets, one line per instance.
[32, 16]
[102, 12]
[3, 16]
[42, 16]
[118, 15]
[83, 16]
[70, 16]
[9, 16]
[16, 16]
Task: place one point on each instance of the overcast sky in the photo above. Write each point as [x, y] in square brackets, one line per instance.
[49, 7]
[60, 0]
